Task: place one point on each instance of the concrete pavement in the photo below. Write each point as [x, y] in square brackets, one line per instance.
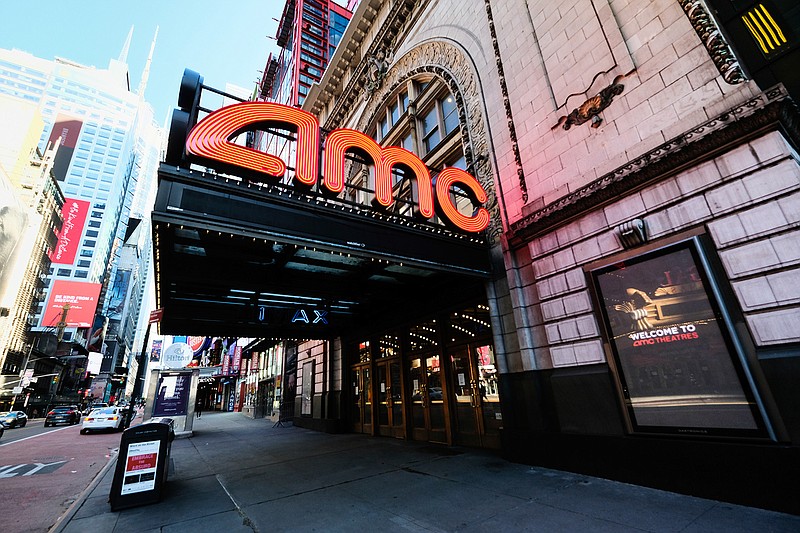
[238, 474]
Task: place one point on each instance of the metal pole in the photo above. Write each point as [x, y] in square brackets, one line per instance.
[139, 383]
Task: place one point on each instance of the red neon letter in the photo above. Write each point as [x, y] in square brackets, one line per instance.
[340, 140]
[449, 176]
[209, 138]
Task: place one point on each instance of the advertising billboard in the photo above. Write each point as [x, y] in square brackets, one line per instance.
[118, 297]
[66, 130]
[172, 398]
[98, 336]
[679, 368]
[81, 298]
[13, 221]
[74, 213]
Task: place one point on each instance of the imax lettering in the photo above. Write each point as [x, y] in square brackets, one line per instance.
[210, 139]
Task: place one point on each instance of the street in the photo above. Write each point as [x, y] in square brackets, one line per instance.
[43, 470]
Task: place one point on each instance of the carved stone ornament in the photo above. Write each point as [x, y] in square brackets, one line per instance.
[590, 110]
[376, 71]
[721, 54]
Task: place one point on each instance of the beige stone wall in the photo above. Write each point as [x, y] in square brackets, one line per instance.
[555, 56]
[748, 199]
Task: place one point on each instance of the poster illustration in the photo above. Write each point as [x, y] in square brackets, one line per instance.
[140, 467]
[172, 398]
[678, 369]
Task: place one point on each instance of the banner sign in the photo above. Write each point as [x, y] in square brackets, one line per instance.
[155, 351]
[74, 213]
[237, 358]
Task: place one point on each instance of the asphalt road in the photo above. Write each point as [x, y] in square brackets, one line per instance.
[43, 470]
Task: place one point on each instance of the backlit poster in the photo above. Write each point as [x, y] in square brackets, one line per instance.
[74, 213]
[81, 298]
[679, 370]
[172, 395]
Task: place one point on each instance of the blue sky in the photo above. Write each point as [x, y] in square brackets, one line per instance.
[225, 41]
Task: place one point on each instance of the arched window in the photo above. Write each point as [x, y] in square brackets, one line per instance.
[422, 117]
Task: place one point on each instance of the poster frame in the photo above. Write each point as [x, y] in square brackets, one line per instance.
[732, 329]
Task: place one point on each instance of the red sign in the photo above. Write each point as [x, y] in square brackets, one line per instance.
[237, 359]
[81, 298]
[156, 316]
[209, 139]
[74, 213]
[141, 462]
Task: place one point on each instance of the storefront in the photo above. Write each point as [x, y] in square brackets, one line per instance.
[631, 246]
[434, 381]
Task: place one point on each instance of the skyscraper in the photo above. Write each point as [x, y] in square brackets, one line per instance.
[308, 33]
[106, 163]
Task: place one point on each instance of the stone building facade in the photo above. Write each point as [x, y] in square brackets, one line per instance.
[611, 134]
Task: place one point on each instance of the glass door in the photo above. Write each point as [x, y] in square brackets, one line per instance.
[427, 399]
[361, 403]
[475, 396]
[465, 398]
[390, 399]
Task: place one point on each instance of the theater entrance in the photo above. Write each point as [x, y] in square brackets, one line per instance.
[435, 381]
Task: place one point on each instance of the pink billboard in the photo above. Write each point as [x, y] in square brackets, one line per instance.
[82, 300]
[74, 213]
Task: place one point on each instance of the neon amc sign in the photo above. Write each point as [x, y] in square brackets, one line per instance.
[210, 139]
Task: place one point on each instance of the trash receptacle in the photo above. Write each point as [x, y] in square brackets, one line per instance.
[142, 464]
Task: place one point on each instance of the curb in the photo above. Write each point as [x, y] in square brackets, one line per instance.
[65, 518]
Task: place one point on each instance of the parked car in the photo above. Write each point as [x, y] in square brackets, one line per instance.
[103, 418]
[13, 419]
[62, 415]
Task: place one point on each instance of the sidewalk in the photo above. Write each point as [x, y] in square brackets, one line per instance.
[238, 474]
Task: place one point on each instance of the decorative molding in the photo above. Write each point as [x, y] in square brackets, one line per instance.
[769, 111]
[376, 71]
[632, 233]
[450, 65]
[385, 40]
[512, 132]
[590, 110]
[718, 48]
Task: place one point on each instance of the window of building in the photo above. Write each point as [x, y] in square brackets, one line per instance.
[430, 129]
[430, 134]
[64, 272]
[81, 274]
